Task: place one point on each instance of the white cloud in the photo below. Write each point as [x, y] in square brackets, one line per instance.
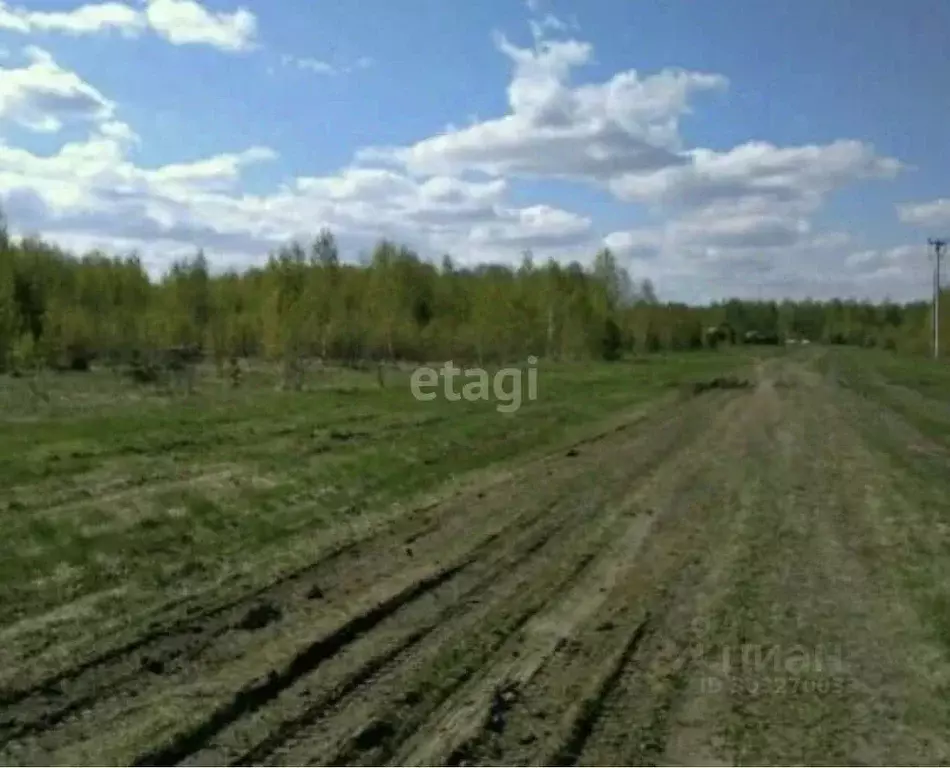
[42, 95]
[820, 266]
[935, 213]
[187, 22]
[751, 208]
[549, 22]
[555, 129]
[86, 19]
[712, 233]
[218, 172]
[324, 67]
[691, 267]
[623, 134]
[181, 22]
[732, 227]
[860, 258]
[801, 174]
[734, 222]
[877, 258]
[310, 64]
[635, 244]
[91, 189]
[538, 225]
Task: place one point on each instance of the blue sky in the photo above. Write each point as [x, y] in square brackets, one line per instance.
[729, 148]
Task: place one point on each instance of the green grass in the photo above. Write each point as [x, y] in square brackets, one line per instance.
[110, 484]
[904, 413]
[915, 388]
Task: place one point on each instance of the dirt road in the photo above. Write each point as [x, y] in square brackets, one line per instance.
[721, 579]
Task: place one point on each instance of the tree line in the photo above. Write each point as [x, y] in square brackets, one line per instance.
[60, 309]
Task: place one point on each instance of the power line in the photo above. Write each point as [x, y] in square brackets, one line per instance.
[938, 248]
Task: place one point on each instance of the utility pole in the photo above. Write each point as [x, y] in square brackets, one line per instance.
[938, 247]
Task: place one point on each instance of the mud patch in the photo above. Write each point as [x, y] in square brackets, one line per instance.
[721, 382]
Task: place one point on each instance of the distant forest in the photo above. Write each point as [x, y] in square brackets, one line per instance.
[60, 309]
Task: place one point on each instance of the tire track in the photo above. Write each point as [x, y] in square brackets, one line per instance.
[613, 695]
[456, 600]
[194, 625]
[604, 618]
[467, 719]
[673, 428]
[580, 521]
[110, 673]
[529, 650]
[588, 711]
[255, 696]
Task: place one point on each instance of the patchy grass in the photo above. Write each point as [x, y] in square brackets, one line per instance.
[110, 485]
[902, 411]
[915, 389]
[499, 608]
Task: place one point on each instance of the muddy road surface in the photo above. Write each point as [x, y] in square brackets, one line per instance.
[724, 578]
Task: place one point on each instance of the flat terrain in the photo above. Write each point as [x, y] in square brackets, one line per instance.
[628, 570]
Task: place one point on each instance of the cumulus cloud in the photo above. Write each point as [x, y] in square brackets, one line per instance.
[733, 222]
[91, 187]
[637, 244]
[935, 213]
[723, 225]
[744, 211]
[42, 95]
[83, 20]
[215, 173]
[751, 208]
[801, 174]
[540, 225]
[181, 22]
[748, 249]
[556, 129]
[896, 257]
[731, 227]
[708, 237]
[818, 265]
[624, 134]
[187, 22]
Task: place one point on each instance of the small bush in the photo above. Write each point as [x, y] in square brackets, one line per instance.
[145, 374]
[612, 341]
[79, 363]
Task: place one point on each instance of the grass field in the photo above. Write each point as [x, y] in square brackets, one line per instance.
[123, 492]
[348, 575]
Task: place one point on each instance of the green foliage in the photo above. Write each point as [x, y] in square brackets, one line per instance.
[23, 353]
[612, 340]
[64, 311]
[8, 309]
